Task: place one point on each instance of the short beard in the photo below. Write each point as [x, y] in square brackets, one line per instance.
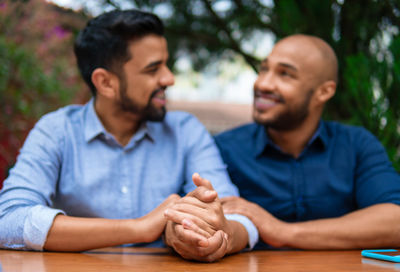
[148, 113]
[291, 119]
[152, 113]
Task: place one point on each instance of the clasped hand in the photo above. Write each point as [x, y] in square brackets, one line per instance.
[197, 228]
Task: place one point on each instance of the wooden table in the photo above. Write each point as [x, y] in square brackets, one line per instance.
[155, 259]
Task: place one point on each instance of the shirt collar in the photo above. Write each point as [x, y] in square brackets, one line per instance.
[323, 134]
[146, 129]
[94, 127]
[262, 140]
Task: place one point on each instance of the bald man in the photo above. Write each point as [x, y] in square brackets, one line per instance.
[304, 182]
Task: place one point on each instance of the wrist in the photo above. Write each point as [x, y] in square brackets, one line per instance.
[139, 230]
[135, 230]
[229, 231]
[278, 234]
[237, 237]
[284, 234]
[293, 231]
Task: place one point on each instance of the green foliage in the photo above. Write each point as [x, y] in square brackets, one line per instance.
[35, 71]
[23, 81]
[26, 93]
[368, 84]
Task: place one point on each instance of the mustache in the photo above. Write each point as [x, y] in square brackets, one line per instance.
[268, 95]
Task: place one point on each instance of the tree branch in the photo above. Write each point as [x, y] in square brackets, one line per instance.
[234, 45]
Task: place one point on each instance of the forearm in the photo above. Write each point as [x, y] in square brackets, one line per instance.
[78, 234]
[375, 226]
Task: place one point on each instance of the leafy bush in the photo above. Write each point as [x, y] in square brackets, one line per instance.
[26, 93]
[37, 69]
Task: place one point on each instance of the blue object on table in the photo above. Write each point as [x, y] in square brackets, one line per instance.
[391, 255]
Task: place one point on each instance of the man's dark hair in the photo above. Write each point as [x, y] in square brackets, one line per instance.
[103, 43]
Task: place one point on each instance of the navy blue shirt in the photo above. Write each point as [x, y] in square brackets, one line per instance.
[342, 169]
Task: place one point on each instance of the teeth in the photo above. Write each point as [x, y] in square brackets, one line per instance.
[160, 95]
[266, 101]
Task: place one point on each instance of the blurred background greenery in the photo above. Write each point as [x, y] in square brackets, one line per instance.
[38, 71]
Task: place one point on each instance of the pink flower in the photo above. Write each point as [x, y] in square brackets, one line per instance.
[59, 32]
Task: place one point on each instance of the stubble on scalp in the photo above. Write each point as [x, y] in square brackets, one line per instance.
[326, 58]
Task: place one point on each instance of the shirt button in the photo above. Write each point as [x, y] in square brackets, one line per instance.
[124, 189]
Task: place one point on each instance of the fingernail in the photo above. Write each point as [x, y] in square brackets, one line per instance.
[166, 212]
[226, 236]
[186, 223]
[203, 243]
[209, 192]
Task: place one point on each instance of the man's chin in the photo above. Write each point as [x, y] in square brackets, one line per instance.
[260, 119]
[269, 122]
[277, 125]
[156, 115]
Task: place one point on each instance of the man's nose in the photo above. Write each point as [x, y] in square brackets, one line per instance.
[265, 82]
[167, 78]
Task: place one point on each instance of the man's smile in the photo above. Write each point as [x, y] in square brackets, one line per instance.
[264, 101]
[159, 98]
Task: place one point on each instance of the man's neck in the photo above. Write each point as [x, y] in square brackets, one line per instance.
[294, 141]
[120, 124]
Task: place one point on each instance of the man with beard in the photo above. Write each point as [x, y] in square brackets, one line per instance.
[102, 174]
[304, 182]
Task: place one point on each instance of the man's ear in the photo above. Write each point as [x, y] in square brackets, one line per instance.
[106, 83]
[326, 91]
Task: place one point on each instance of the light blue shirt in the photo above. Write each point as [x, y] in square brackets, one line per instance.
[71, 165]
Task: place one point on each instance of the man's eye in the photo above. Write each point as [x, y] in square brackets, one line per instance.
[152, 71]
[285, 73]
[263, 69]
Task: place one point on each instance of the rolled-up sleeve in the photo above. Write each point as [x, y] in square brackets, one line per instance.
[37, 225]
